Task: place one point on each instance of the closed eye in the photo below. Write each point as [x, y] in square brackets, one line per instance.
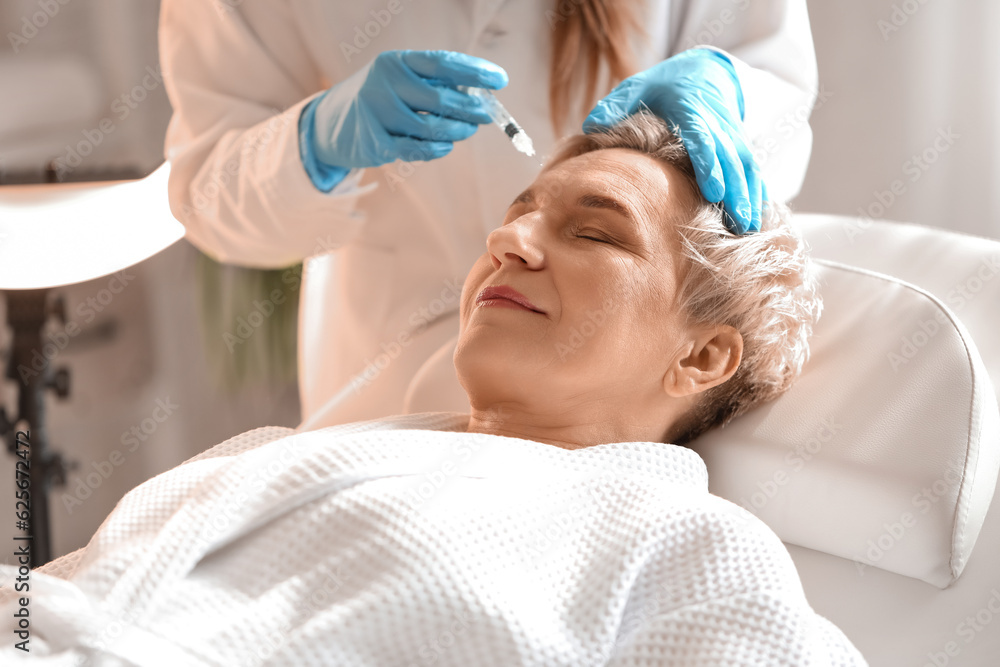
[593, 238]
[579, 229]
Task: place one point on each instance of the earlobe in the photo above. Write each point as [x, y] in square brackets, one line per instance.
[710, 360]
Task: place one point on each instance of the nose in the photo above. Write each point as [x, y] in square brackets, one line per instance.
[517, 243]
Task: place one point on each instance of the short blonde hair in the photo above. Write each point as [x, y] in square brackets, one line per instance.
[762, 284]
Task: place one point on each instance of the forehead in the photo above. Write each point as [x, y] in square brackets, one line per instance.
[651, 188]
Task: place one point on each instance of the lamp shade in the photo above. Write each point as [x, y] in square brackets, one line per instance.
[64, 233]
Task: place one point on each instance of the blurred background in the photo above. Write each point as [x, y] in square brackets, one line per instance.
[904, 129]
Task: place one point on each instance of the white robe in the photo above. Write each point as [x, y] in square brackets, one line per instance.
[239, 72]
[407, 541]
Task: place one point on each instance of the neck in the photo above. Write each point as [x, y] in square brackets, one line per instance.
[574, 429]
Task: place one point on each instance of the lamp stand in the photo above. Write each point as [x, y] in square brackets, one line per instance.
[27, 313]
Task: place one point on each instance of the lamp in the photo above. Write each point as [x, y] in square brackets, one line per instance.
[54, 235]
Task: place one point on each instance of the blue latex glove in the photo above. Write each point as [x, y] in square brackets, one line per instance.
[698, 92]
[372, 118]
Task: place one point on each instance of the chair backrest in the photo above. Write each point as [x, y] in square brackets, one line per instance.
[886, 450]
[897, 620]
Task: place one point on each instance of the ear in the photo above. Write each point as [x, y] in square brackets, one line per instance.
[710, 359]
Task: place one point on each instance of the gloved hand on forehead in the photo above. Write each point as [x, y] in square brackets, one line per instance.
[402, 105]
[697, 91]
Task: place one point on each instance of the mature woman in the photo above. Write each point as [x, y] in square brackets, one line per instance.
[553, 525]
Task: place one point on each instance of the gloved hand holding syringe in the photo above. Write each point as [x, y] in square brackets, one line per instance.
[408, 105]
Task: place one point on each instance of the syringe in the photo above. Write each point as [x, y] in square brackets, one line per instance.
[503, 119]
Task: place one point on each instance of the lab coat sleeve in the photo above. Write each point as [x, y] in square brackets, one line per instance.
[238, 77]
[770, 45]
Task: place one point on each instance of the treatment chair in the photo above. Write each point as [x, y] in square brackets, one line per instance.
[932, 595]
[878, 467]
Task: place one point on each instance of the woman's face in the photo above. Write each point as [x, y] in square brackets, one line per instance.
[590, 245]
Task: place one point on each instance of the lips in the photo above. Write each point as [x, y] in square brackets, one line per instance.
[503, 292]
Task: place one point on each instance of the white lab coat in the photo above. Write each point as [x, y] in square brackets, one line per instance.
[238, 74]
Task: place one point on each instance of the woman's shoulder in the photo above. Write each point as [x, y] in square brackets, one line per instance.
[697, 517]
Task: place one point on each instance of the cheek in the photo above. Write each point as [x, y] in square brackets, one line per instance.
[630, 310]
[604, 305]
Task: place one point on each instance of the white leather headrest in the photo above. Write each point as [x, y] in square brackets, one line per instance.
[887, 448]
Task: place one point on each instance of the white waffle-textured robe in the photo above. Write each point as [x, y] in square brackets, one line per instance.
[407, 541]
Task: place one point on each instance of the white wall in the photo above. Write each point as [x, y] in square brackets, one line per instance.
[898, 82]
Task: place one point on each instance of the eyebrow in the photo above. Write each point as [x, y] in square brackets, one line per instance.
[525, 197]
[608, 203]
[588, 201]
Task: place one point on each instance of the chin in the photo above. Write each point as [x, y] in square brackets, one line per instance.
[487, 359]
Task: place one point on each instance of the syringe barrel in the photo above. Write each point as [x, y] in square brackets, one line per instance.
[502, 118]
[499, 115]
